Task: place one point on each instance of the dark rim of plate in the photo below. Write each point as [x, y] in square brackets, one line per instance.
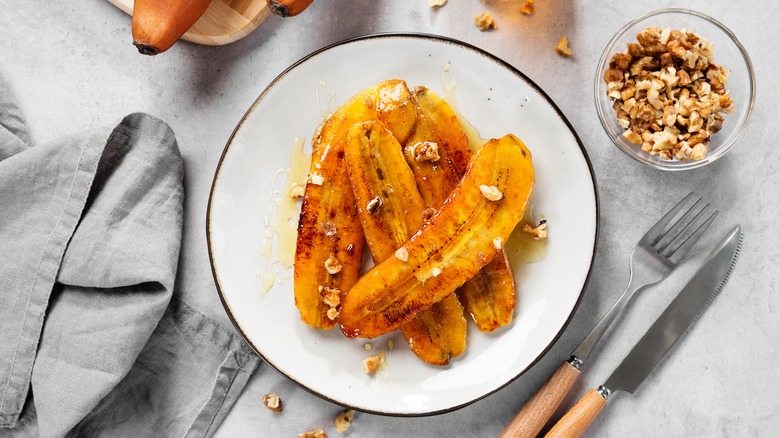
[441, 39]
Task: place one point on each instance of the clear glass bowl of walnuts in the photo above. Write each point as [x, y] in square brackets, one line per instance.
[675, 89]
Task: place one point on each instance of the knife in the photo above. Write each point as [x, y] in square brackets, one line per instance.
[686, 308]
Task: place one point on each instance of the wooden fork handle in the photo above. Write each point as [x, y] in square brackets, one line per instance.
[534, 415]
[577, 420]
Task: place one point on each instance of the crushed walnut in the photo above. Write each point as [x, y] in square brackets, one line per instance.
[273, 402]
[498, 243]
[372, 363]
[528, 7]
[425, 151]
[316, 179]
[485, 21]
[563, 48]
[437, 3]
[668, 95]
[373, 205]
[538, 232]
[296, 191]
[491, 193]
[367, 346]
[331, 297]
[319, 433]
[332, 265]
[343, 420]
[428, 213]
[329, 228]
[402, 254]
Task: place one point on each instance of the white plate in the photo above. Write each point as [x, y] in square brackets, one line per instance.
[494, 97]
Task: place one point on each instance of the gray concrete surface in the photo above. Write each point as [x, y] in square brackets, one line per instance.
[72, 64]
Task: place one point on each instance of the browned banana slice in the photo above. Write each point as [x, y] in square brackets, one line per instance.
[391, 210]
[329, 230]
[489, 297]
[449, 249]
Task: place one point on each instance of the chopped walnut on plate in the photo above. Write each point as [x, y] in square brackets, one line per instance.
[319, 433]
[668, 95]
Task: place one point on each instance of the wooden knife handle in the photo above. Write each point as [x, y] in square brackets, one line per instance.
[534, 415]
[288, 8]
[577, 420]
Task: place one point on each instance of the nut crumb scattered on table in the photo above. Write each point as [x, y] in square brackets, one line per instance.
[437, 3]
[343, 420]
[528, 7]
[319, 433]
[485, 21]
[563, 48]
[273, 402]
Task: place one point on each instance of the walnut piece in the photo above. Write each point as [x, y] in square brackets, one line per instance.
[563, 48]
[371, 364]
[484, 21]
[331, 296]
[668, 94]
[319, 433]
[425, 151]
[332, 313]
[437, 3]
[528, 7]
[273, 402]
[296, 191]
[498, 243]
[373, 205]
[343, 420]
[428, 213]
[491, 193]
[402, 254]
[538, 232]
[316, 179]
[332, 265]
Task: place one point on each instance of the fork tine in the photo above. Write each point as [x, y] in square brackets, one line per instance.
[678, 253]
[651, 237]
[680, 227]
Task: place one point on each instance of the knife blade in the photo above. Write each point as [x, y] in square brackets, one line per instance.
[673, 323]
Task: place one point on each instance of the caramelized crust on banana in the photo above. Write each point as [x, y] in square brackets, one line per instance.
[450, 248]
[329, 226]
[391, 210]
[490, 296]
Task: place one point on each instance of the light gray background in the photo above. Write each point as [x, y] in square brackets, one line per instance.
[72, 66]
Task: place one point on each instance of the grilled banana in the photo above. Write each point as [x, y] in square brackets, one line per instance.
[489, 297]
[465, 234]
[329, 230]
[391, 210]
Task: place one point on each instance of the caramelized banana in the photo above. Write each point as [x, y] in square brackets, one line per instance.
[391, 210]
[489, 297]
[448, 249]
[329, 229]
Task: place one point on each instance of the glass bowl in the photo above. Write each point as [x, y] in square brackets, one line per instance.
[728, 52]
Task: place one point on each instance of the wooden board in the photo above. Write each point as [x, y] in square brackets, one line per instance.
[224, 22]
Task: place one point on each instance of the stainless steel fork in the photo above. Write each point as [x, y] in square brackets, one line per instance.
[658, 252]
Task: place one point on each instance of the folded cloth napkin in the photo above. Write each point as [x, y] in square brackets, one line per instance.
[93, 341]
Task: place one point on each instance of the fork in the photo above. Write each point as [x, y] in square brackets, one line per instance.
[658, 252]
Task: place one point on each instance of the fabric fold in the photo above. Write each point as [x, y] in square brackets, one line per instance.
[93, 343]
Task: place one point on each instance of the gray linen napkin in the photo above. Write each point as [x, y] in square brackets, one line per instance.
[91, 341]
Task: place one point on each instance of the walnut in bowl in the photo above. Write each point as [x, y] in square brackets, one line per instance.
[662, 98]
